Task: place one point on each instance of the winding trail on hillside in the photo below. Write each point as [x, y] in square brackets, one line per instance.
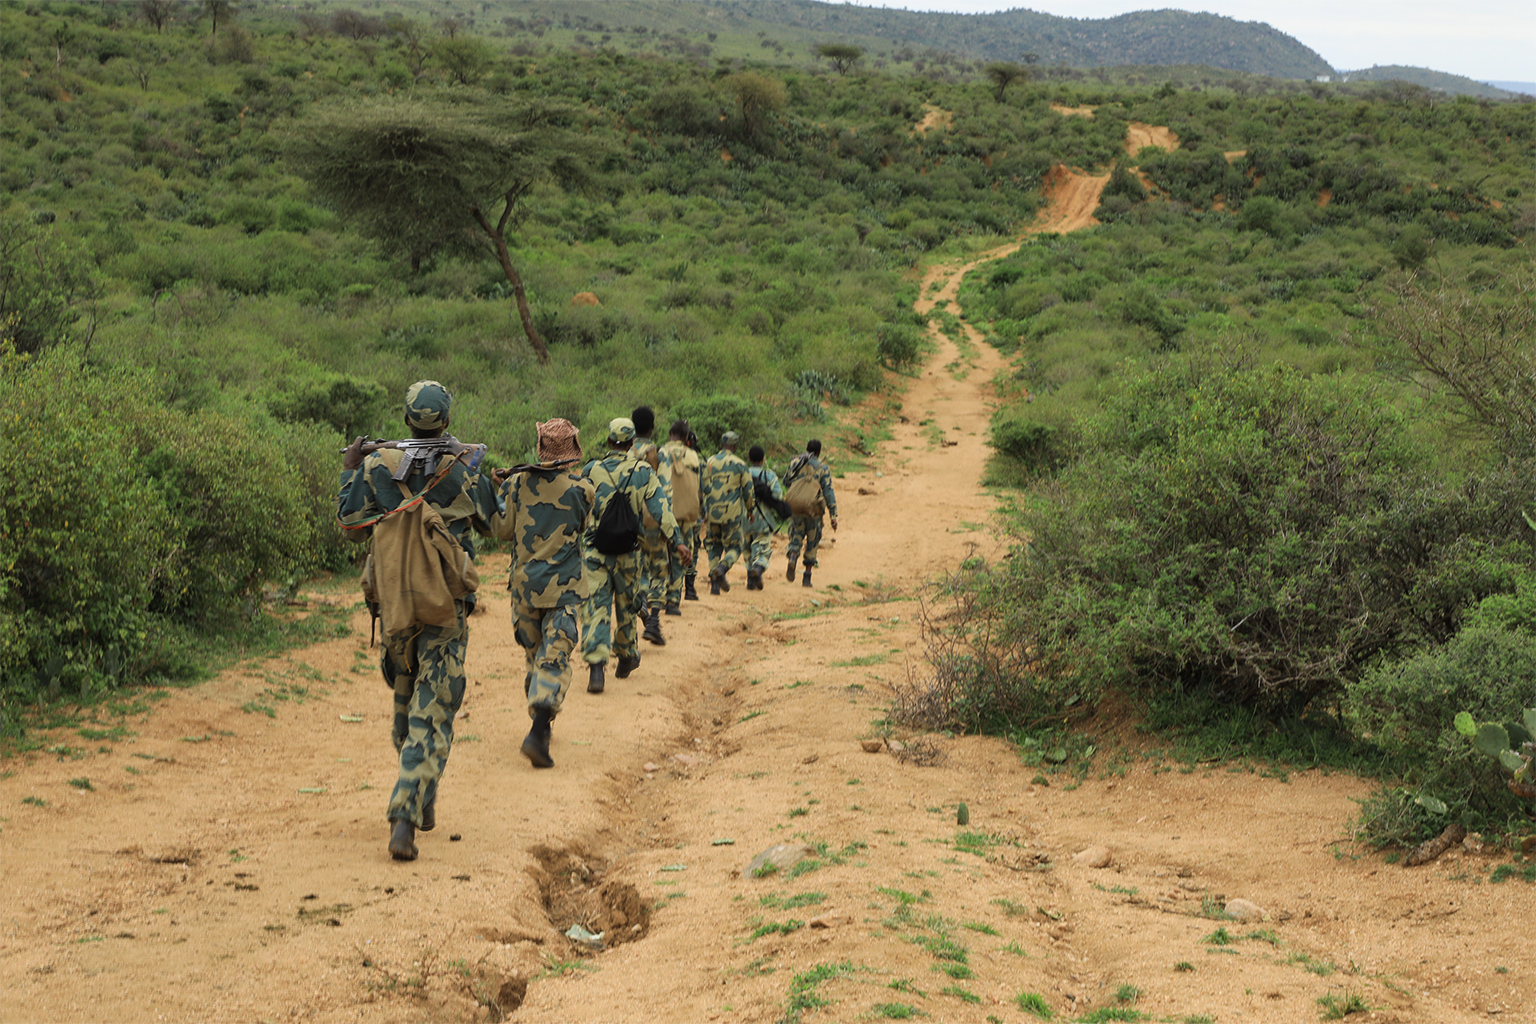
[215, 862]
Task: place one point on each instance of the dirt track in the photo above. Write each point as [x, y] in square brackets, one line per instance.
[226, 865]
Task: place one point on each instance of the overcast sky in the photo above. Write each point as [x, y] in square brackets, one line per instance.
[1482, 39]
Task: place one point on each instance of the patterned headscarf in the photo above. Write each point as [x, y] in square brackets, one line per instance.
[557, 441]
[426, 405]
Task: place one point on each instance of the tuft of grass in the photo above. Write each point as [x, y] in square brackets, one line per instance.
[1184, 965]
[1219, 937]
[979, 926]
[35, 801]
[1127, 994]
[1034, 1003]
[960, 992]
[803, 994]
[894, 1011]
[1337, 1007]
[957, 971]
[1526, 872]
[83, 783]
[1105, 1014]
[776, 928]
[774, 901]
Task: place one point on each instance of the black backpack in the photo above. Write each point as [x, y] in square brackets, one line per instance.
[618, 529]
[775, 508]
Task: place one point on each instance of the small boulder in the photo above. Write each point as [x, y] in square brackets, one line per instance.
[584, 299]
[781, 858]
[872, 746]
[1244, 910]
[1094, 857]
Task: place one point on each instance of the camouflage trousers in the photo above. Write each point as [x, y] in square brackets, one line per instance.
[547, 636]
[805, 529]
[762, 548]
[653, 558]
[426, 672]
[723, 542]
[615, 588]
[676, 571]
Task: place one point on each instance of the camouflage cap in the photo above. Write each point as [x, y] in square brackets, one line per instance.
[621, 430]
[426, 405]
[557, 441]
[730, 439]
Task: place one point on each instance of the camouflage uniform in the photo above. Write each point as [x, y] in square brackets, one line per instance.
[806, 530]
[614, 580]
[725, 489]
[759, 526]
[653, 547]
[677, 457]
[547, 509]
[425, 669]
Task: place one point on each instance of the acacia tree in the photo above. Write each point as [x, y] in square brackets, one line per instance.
[157, 12]
[1003, 74]
[217, 9]
[426, 174]
[757, 97]
[842, 55]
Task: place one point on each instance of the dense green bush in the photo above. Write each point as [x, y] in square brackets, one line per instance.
[124, 520]
[1256, 533]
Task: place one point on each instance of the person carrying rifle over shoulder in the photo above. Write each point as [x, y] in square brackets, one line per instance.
[547, 506]
[420, 502]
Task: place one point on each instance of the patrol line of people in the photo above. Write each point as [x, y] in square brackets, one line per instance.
[421, 501]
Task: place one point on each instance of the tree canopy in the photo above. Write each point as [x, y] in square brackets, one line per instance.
[425, 173]
[842, 55]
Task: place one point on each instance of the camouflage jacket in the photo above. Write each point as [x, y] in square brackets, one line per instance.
[546, 515]
[725, 487]
[678, 459]
[805, 463]
[466, 500]
[617, 469]
[762, 520]
[645, 450]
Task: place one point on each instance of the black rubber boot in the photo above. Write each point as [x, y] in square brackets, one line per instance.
[673, 609]
[805, 580]
[429, 817]
[595, 677]
[652, 632]
[725, 584]
[689, 594]
[754, 579]
[402, 840]
[714, 585]
[790, 575]
[626, 666]
[536, 743]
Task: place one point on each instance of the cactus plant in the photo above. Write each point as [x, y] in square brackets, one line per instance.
[1512, 744]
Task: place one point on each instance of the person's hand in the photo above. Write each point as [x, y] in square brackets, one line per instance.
[500, 475]
[684, 555]
[352, 455]
[834, 524]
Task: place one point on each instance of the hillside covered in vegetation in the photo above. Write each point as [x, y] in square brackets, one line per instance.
[198, 306]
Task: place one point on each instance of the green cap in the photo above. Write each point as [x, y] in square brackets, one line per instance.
[621, 430]
[729, 439]
[426, 405]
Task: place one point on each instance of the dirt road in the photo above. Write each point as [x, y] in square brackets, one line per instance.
[215, 863]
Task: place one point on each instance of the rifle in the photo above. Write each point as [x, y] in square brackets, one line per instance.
[427, 451]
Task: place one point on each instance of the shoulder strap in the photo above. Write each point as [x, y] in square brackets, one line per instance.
[410, 501]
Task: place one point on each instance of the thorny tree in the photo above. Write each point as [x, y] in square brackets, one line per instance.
[443, 172]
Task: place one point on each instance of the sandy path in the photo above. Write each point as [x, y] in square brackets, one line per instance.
[225, 865]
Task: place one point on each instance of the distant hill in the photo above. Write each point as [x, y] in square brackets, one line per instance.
[1144, 37]
[1437, 81]
[1522, 88]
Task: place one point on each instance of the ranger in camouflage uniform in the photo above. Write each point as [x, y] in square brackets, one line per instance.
[762, 522]
[614, 580]
[546, 513]
[680, 462]
[726, 490]
[807, 529]
[425, 668]
[653, 547]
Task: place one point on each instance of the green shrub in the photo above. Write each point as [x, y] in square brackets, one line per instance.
[1040, 447]
[713, 415]
[1255, 532]
[900, 345]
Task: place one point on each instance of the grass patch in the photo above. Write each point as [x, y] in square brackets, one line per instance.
[1104, 1014]
[1337, 1007]
[894, 1011]
[978, 926]
[781, 928]
[960, 992]
[774, 901]
[803, 994]
[83, 784]
[1524, 872]
[1034, 1003]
